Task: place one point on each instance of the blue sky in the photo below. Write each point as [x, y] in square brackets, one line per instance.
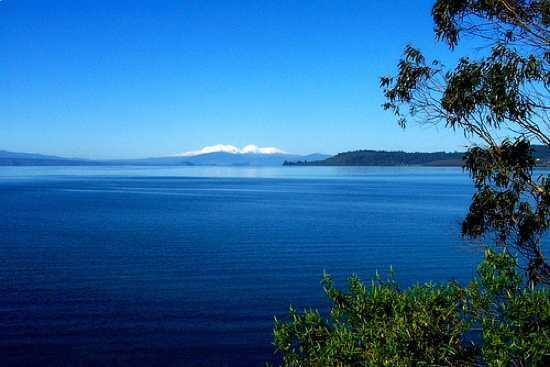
[105, 79]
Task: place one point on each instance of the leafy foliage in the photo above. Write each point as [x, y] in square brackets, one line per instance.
[506, 89]
[425, 325]
[377, 324]
[515, 320]
[508, 203]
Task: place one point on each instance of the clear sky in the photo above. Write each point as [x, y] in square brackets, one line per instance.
[133, 78]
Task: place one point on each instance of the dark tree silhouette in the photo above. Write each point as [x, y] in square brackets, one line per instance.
[507, 91]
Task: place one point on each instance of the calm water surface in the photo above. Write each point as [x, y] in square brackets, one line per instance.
[139, 266]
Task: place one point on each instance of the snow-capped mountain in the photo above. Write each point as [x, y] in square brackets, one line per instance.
[249, 155]
[226, 148]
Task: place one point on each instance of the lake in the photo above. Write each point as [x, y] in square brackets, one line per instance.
[186, 266]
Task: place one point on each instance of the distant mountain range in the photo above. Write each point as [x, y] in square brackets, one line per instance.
[218, 159]
[30, 159]
[227, 155]
[249, 156]
[400, 158]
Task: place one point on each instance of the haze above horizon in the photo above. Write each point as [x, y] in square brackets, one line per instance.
[130, 79]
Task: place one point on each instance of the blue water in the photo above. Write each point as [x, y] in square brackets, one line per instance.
[147, 266]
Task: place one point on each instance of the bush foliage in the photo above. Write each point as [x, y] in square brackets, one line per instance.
[494, 321]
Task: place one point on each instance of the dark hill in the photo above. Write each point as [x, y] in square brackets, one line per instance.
[400, 158]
